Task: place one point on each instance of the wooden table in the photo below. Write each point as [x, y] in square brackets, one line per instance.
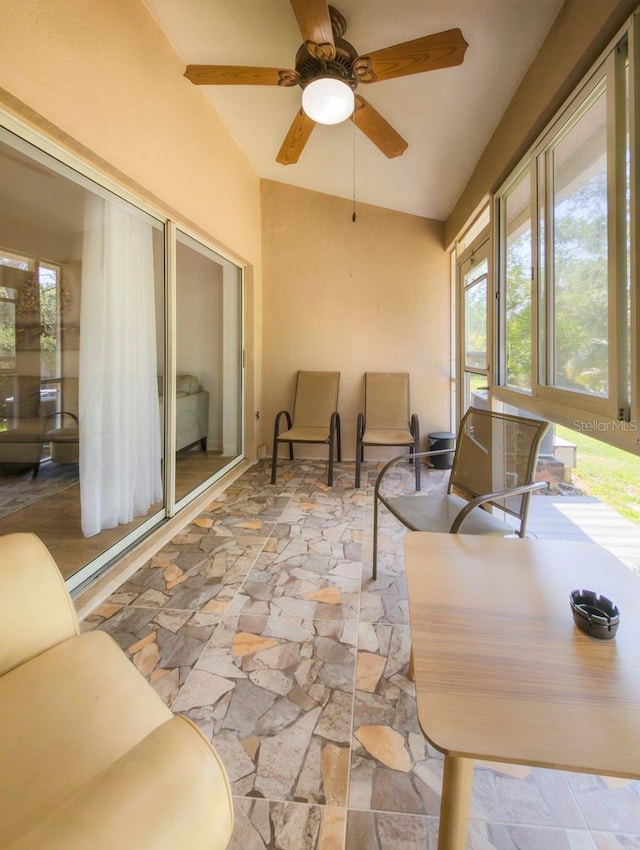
[501, 671]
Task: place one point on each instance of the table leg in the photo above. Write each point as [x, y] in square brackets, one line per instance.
[455, 803]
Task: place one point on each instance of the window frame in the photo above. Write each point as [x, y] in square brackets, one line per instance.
[602, 81]
[477, 253]
[500, 239]
[614, 418]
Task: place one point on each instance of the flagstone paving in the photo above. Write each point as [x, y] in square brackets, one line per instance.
[260, 622]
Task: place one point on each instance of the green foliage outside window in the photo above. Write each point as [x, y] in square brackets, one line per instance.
[580, 295]
[518, 312]
[581, 288]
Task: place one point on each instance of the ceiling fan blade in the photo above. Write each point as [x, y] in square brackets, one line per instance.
[296, 139]
[314, 23]
[429, 53]
[377, 129]
[235, 75]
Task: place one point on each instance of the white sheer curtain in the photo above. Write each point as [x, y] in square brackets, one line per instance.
[120, 452]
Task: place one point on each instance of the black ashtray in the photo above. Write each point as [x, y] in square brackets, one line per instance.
[594, 615]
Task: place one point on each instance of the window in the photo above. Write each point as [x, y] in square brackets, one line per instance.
[475, 296]
[30, 304]
[576, 289]
[51, 298]
[473, 274]
[516, 277]
[562, 224]
[14, 272]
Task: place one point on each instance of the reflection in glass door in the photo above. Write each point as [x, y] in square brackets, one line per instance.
[474, 282]
[208, 373]
[82, 279]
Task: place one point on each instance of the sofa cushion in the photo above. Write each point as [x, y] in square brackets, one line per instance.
[169, 792]
[187, 384]
[65, 716]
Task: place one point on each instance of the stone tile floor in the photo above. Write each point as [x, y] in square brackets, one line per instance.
[261, 623]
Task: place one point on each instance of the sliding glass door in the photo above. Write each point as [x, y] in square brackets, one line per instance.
[82, 279]
[97, 446]
[208, 373]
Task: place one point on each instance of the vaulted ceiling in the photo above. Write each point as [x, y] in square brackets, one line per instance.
[446, 116]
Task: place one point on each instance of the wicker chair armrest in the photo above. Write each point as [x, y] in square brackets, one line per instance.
[493, 497]
[279, 415]
[62, 413]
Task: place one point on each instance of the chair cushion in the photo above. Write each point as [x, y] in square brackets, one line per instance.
[387, 437]
[437, 513]
[64, 435]
[302, 434]
[26, 431]
[84, 705]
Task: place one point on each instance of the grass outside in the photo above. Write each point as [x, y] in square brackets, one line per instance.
[606, 473]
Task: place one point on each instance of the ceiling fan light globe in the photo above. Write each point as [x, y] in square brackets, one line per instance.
[328, 101]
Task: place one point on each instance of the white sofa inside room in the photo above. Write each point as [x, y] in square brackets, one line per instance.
[192, 412]
[34, 425]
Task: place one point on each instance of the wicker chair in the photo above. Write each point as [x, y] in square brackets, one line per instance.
[494, 464]
[315, 418]
[386, 420]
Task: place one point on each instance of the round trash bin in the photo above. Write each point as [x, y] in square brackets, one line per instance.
[441, 440]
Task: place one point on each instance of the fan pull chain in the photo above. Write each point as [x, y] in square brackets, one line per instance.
[353, 120]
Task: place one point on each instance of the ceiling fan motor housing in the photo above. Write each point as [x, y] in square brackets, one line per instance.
[340, 67]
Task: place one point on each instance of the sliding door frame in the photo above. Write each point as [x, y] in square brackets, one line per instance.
[40, 148]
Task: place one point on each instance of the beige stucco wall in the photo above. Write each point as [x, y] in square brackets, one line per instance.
[352, 297]
[100, 77]
[579, 34]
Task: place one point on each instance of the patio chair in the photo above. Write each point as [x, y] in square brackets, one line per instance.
[494, 465]
[315, 418]
[386, 420]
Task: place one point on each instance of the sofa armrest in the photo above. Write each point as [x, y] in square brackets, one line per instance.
[36, 611]
[192, 418]
[169, 792]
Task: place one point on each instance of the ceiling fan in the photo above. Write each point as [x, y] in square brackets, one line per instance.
[328, 69]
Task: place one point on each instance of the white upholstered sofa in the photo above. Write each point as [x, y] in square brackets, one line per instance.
[192, 412]
[91, 756]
